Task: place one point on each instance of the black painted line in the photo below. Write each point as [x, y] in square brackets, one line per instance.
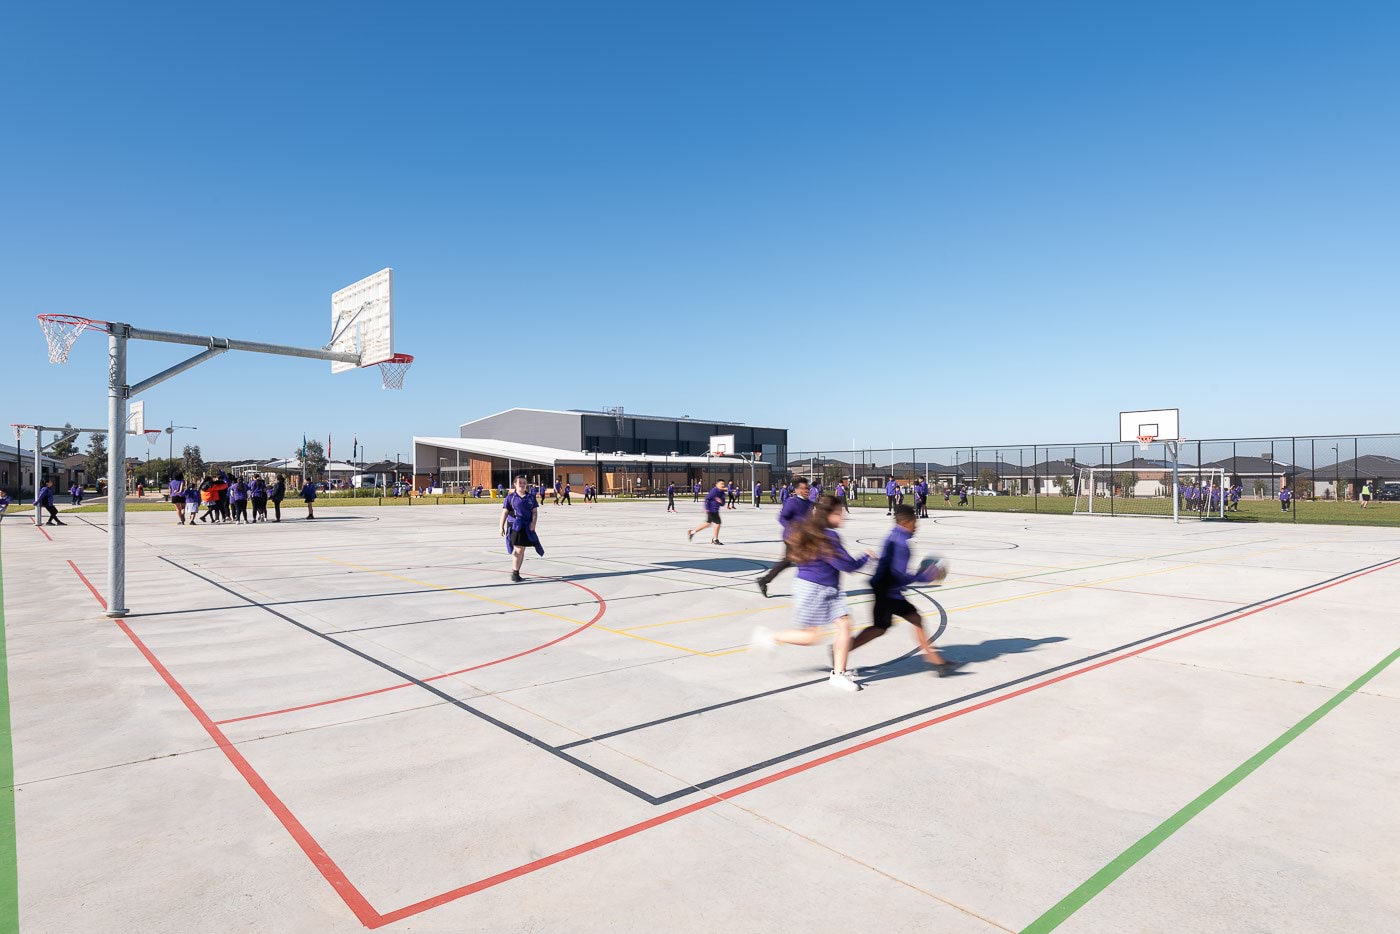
[942, 625]
[463, 705]
[797, 753]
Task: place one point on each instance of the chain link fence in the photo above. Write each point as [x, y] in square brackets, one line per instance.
[1299, 479]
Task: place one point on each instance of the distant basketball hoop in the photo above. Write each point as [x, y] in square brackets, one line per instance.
[151, 435]
[1145, 442]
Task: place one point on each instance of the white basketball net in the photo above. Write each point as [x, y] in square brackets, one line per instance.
[152, 435]
[1145, 441]
[62, 331]
[391, 372]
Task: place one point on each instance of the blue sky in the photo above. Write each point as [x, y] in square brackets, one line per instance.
[931, 223]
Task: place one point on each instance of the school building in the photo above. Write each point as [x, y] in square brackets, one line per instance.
[615, 451]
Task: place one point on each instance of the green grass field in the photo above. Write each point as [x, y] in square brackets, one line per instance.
[1316, 512]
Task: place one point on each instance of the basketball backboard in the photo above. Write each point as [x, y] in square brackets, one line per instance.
[1159, 424]
[721, 445]
[136, 418]
[362, 320]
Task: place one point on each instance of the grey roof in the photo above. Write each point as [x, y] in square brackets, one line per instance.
[1367, 466]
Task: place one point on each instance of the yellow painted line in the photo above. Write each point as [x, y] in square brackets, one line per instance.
[528, 609]
[782, 604]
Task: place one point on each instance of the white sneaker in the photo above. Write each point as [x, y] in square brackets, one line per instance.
[843, 681]
[763, 639]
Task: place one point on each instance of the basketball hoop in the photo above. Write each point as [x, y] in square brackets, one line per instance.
[1145, 442]
[152, 434]
[62, 331]
[392, 371]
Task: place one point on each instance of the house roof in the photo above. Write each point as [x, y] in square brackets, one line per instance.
[1367, 466]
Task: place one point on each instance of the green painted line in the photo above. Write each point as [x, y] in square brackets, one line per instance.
[1109, 874]
[9, 860]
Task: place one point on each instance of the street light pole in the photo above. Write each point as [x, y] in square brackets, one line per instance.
[171, 432]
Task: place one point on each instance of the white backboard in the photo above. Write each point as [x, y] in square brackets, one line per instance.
[722, 445]
[362, 320]
[1162, 424]
[136, 418]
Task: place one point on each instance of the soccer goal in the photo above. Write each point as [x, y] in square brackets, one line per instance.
[1114, 491]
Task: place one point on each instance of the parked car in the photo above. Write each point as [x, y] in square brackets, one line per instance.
[1389, 491]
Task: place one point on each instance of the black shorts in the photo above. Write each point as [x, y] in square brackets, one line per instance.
[519, 538]
[712, 517]
[887, 608]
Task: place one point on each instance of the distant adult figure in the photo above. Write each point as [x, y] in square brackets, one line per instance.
[757, 494]
[44, 500]
[140, 488]
[277, 494]
[518, 515]
[177, 496]
[670, 497]
[1366, 494]
[308, 495]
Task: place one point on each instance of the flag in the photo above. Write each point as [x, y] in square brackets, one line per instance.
[303, 449]
[328, 447]
[355, 447]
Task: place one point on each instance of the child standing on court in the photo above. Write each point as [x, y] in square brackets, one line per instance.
[308, 495]
[518, 516]
[191, 502]
[888, 582]
[817, 550]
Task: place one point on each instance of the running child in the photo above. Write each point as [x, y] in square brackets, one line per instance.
[817, 550]
[796, 509]
[888, 582]
[518, 516]
[714, 502]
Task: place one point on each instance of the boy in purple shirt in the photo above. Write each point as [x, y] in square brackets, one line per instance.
[888, 582]
[757, 492]
[796, 508]
[308, 495]
[891, 488]
[714, 502]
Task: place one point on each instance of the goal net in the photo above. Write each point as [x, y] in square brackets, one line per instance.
[1115, 491]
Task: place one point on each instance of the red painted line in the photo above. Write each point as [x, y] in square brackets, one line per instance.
[632, 830]
[83, 577]
[602, 609]
[372, 919]
[43, 532]
[332, 873]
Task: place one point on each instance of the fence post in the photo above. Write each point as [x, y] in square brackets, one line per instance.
[1293, 460]
[973, 452]
[1035, 480]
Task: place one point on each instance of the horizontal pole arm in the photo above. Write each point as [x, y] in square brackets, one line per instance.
[196, 340]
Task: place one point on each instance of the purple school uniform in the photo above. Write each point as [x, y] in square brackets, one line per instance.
[795, 510]
[714, 500]
[827, 569]
[520, 513]
[892, 572]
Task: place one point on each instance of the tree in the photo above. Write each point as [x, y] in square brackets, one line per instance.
[96, 465]
[987, 478]
[192, 462]
[313, 465]
[1127, 481]
[62, 449]
[1062, 483]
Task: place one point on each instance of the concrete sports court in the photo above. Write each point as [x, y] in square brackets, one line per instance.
[359, 722]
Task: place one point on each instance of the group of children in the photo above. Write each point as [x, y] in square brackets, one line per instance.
[227, 499]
